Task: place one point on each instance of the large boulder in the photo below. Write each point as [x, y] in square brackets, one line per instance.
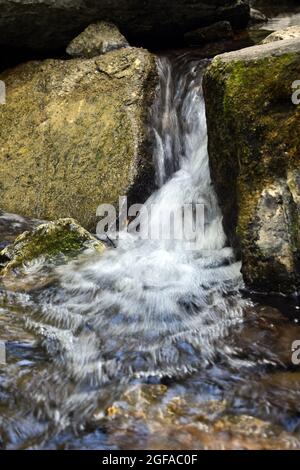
[50, 24]
[73, 135]
[254, 149]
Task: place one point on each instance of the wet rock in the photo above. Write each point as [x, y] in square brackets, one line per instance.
[256, 16]
[77, 135]
[52, 24]
[288, 33]
[97, 38]
[61, 239]
[214, 32]
[254, 147]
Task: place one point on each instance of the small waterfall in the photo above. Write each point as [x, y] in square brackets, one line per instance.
[152, 308]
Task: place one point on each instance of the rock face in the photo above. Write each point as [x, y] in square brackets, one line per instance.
[97, 38]
[289, 33]
[254, 148]
[50, 24]
[214, 32]
[256, 16]
[77, 135]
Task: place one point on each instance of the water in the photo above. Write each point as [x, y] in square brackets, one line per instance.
[281, 14]
[152, 345]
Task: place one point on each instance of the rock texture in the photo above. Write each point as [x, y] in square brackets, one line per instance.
[254, 147]
[289, 33]
[73, 135]
[50, 24]
[96, 39]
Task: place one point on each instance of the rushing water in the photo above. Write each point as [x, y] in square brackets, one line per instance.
[128, 348]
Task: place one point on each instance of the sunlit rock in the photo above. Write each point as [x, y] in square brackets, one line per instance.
[96, 39]
[74, 135]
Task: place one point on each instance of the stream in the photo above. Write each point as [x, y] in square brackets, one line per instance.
[154, 344]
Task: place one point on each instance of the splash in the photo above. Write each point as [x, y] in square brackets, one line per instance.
[153, 308]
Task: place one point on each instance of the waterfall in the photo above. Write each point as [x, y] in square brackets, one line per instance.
[152, 307]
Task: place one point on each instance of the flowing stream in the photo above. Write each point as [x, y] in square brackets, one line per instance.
[97, 358]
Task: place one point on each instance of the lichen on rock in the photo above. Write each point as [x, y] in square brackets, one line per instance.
[254, 145]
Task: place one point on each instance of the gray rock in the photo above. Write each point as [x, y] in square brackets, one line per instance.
[96, 39]
[289, 33]
[52, 24]
[215, 32]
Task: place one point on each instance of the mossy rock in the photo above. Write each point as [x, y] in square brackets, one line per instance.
[254, 149]
[74, 135]
[59, 240]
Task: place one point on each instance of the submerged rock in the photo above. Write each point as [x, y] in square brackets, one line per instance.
[288, 33]
[97, 38]
[254, 148]
[63, 238]
[77, 135]
[214, 32]
[50, 24]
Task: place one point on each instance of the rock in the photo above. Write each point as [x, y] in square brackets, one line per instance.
[214, 32]
[52, 24]
[77, 135]
[63, 238]
[96, 39]
[256, 16]
[254, 149]
[288, 33]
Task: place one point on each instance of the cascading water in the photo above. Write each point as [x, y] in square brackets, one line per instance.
[153, 310]
[154, 307]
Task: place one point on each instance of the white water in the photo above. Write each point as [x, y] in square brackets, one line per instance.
[152, 308]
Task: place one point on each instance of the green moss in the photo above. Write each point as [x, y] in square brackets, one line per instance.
[61, 238]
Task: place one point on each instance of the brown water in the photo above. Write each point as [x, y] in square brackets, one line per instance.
[246, 397]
